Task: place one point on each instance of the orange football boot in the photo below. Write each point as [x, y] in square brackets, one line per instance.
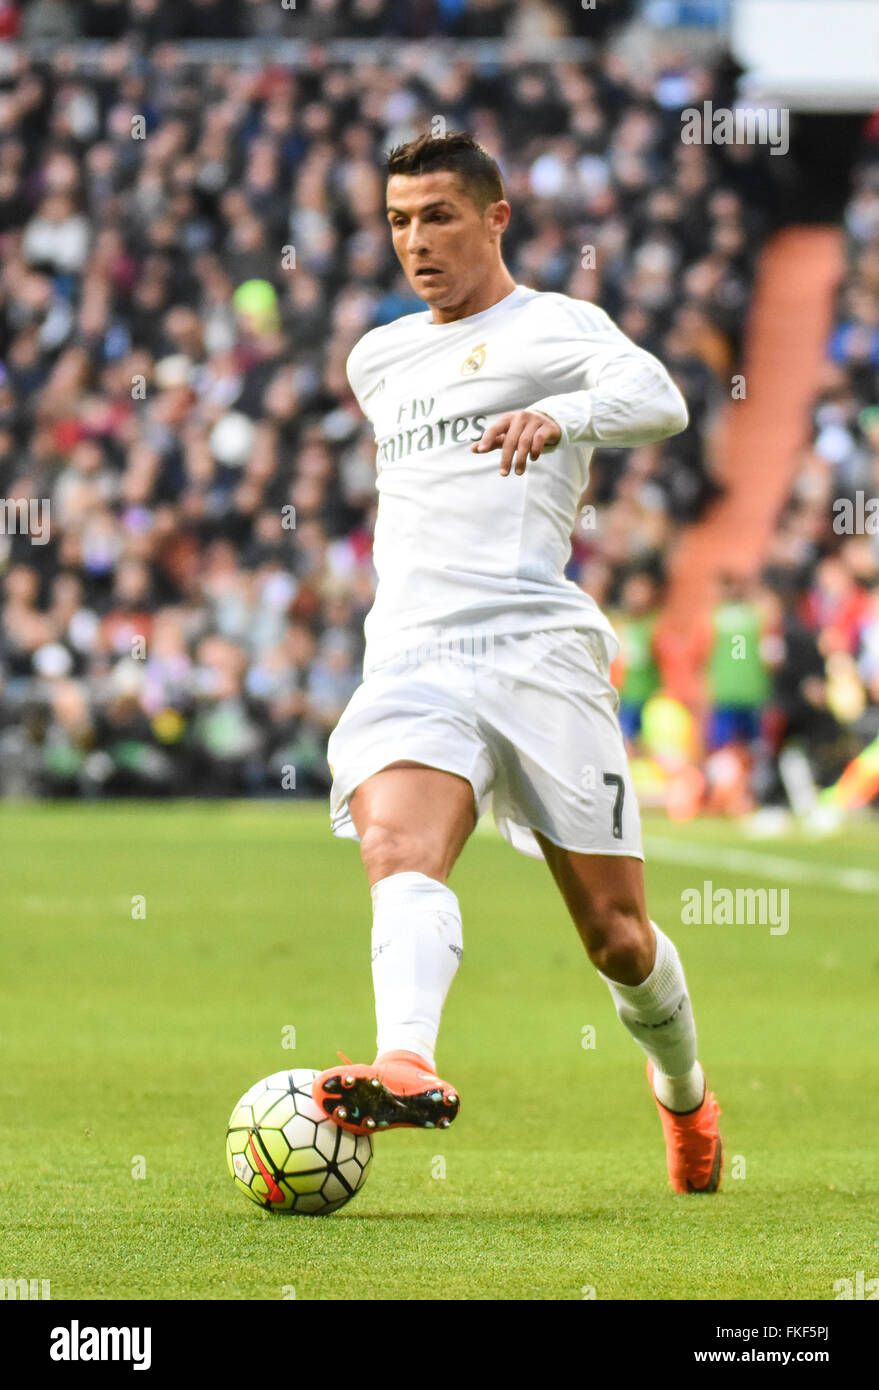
[399, 1090]
[693, 1145]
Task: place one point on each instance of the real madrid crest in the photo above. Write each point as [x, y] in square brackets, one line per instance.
[474, 361]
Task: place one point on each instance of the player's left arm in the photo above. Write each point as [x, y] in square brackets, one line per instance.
[620, 395]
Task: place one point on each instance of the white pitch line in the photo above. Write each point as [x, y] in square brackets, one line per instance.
[769, 865]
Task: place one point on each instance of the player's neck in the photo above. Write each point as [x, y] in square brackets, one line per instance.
[483, 297]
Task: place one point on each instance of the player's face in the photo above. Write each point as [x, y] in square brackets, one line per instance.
[446, 246]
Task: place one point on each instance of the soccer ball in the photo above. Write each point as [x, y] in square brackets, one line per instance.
[285, 1155]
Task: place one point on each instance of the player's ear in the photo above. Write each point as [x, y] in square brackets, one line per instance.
[497, 215]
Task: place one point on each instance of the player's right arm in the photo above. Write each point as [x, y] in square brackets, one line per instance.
[357, 377]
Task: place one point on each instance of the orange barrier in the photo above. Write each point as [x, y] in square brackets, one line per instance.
[757, 439]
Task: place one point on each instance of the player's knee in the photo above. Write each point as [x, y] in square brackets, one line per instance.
[387, 850]
[620, 942]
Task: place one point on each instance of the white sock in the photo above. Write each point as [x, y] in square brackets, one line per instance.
[659, 1016]
[416, 950]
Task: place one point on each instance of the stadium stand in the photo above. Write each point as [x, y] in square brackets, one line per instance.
[821, 567]
[191, 245]
[762, 431]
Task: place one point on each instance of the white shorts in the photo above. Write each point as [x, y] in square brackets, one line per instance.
[530, 722]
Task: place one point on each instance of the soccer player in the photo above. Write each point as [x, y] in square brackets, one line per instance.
[486, 673]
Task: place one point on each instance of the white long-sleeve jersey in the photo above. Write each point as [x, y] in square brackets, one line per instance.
[459, 550]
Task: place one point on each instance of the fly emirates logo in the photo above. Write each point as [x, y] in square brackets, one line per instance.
[417, 432]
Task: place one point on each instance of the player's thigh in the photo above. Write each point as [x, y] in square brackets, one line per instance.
[410, 817]
[605, 895]
[597, 887]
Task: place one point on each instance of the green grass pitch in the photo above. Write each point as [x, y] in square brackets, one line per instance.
[127, 1040]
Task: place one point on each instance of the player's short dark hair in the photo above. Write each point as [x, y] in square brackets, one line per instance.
[477, 174]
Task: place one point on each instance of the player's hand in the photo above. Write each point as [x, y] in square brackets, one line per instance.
[522, 434]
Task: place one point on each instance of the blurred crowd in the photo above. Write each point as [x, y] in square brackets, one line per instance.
[791, 656]
[160, 21]
[822, 571]
[189, 253]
